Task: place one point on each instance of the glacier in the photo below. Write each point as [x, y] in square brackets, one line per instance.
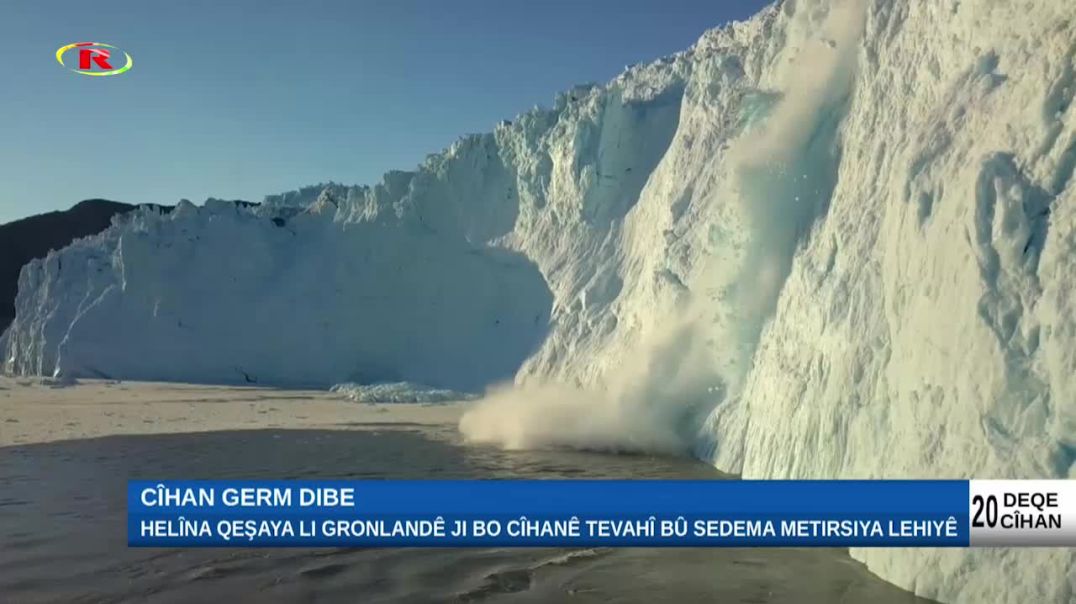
[837, 240]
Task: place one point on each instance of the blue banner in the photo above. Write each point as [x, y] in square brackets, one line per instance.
[548, 513]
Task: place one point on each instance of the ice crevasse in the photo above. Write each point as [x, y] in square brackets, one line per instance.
[835, 240]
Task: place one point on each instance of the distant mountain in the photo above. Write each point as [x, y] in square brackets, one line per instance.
[23, 240]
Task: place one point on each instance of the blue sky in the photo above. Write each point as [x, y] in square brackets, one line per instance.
[239, 99]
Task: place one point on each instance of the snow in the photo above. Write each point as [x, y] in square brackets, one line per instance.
[837, 240]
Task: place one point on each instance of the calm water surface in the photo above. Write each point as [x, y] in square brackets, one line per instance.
[63, 532]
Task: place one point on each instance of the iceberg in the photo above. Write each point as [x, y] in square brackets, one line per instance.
[400, 392]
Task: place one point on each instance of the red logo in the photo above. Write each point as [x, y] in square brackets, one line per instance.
[97, 55]
[95, 58]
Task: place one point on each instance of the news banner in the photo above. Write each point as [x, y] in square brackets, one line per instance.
[590, 513]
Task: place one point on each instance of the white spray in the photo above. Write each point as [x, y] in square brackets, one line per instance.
[781, 174]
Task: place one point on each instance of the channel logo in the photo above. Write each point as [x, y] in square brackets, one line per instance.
[94, 58]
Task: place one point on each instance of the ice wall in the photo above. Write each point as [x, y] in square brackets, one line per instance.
[834, 241]
[926, 326]
[221, 294]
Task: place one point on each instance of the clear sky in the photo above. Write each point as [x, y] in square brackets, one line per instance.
[241, 98]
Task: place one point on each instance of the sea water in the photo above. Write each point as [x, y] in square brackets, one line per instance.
[63, 533]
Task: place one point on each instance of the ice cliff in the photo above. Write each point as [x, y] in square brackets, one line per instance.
[837, 240]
